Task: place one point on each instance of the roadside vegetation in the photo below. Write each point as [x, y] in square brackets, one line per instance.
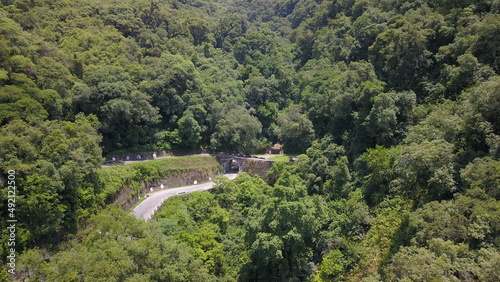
[280, 159]
[131, 179]
[391, 107]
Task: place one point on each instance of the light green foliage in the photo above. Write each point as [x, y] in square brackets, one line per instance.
[51, 74]
[211, 224]
[241, 193]
[118, 247]
[425, 171]
[390, 116]
[443, 261]
[443, 122]
[112, 179]
[166, 140]
[332, 267]
[483, 214]
[400, 184]
[237, 129]
[349, 219]
[387, 225]
[282, 232]
[441, 220]
[280, 159]
[449, 240]
[487, 268]
[17, 104]
[295, 130]
[485, 174]
[419, 264]
[325, 168]
[279, 227]
[32, 262]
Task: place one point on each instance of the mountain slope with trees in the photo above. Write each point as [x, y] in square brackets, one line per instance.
[391, 105]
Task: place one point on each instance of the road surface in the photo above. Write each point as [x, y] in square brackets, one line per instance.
[147, 208]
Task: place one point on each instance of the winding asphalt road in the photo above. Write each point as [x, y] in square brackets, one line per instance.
[147, 208]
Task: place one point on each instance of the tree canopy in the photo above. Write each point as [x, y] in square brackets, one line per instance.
[390, 109]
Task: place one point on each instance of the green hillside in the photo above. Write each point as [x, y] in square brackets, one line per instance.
[391, 106]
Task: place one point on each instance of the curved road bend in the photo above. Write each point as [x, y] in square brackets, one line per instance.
[147, 208]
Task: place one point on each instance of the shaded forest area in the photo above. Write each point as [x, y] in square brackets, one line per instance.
[392, 106]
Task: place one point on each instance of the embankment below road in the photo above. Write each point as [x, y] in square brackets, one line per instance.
[257, 167]
[124, 183]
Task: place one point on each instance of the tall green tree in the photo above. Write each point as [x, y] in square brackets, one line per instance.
[295, 130]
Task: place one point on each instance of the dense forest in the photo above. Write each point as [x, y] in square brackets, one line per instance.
[392, 107]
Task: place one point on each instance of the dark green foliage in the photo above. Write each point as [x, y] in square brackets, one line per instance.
[118, 247]
[237, 129]
[50, 159]
[189, 131]
[394, 103]
[325, 168]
